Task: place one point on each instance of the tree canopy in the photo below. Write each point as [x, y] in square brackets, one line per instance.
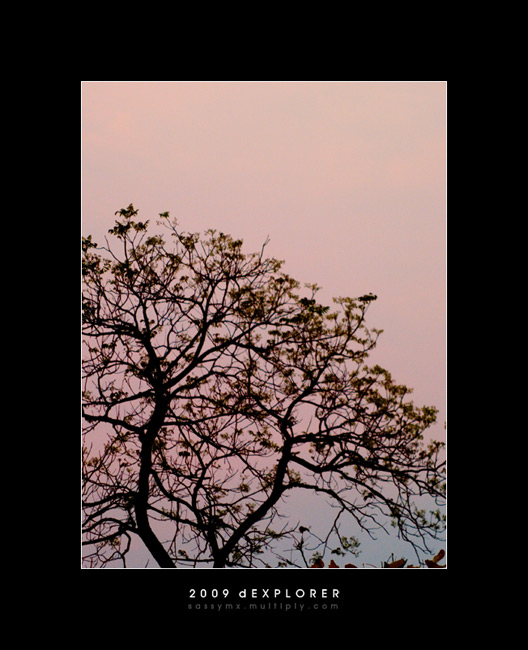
[215, 385]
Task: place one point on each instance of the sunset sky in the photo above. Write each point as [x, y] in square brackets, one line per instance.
[347, 179]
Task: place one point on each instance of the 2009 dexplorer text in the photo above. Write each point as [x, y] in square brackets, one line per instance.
[265, 593]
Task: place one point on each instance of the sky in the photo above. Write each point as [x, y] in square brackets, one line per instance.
[346, 179]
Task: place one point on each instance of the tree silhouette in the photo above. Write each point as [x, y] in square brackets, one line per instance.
[212, 389]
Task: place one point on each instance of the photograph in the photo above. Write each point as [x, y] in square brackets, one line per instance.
[263, 336]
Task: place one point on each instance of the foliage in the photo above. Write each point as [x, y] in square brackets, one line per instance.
[215, 385]
[393, 564]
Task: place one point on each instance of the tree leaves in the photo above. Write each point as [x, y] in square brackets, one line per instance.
[433, 564]
[368, 298]
[395, 564]
[319, 564]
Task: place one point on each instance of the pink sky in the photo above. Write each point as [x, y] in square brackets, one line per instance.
[348, 180]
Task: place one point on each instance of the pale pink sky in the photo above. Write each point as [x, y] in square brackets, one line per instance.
[348, 179]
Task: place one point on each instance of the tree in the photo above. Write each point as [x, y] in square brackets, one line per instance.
[212, 389]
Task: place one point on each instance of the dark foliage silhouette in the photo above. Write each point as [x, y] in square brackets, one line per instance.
[216, 385]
